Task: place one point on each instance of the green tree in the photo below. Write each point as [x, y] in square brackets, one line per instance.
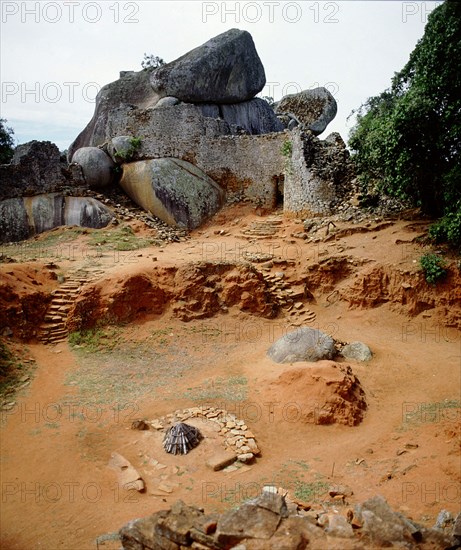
[6, 142]
[407, 140]
[151, 62]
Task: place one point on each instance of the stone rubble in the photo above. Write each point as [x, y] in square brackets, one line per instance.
[270, 522]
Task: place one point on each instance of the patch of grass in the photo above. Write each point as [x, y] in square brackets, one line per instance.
[95, 339]
[52, 245]
[292, 477]
[433, 267]
[11, 369]
[310, 491]
[428, 413]
[121, 239]
[123, 374]
[52, 425]
[7, 360]
[233, 388]
[301, 463]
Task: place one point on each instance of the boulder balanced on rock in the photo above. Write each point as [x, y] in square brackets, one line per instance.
[226, 69]
[314, 109]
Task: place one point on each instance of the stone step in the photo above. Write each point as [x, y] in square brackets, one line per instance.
[54, 318]
[50, 326]
[56, 340]
[60, 307]
[60, 304]
[61, 293]
[58, 334]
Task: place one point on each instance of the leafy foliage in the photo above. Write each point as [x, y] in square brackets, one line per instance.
[407, 140]
[448, 229]
[151, 62]
[128, 154]
[6, 142]
[433, 267]
[287, 148]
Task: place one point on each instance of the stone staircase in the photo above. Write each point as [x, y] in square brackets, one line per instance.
[53, 329]
[264, 229]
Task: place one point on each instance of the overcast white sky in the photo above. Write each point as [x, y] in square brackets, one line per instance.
[55, 55]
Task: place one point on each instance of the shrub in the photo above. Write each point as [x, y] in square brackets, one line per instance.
[433, 267]
[448, 229]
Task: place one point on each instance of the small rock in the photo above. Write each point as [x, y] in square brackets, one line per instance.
[128, 477]
[165, 487]
[338, 526]
[221, 460]
[139, 425]
[357, 351]
[342, 490]
[157, 425]
[246, 457]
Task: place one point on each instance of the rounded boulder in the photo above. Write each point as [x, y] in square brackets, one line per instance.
[97, 166]
[303, 344]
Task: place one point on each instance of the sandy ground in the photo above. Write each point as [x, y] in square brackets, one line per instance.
[57, 490]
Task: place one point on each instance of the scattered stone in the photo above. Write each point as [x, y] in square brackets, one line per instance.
[128, 477]
[444, 520]
[220, 460]
[269, 522]
[246, 458]
[338, 526]
[248, 521]
[157, 425]
[165, 487]
[457, 526]
[342, 490]
[357, 351]
[139, 425]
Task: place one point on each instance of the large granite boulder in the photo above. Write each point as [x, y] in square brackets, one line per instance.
[302, 344]
[97, 166]
[132, 88]
[21, 218]
[226, 69]
[175, 191]
[314, 109]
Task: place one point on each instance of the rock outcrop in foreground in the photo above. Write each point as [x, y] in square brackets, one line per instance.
[267, 523]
